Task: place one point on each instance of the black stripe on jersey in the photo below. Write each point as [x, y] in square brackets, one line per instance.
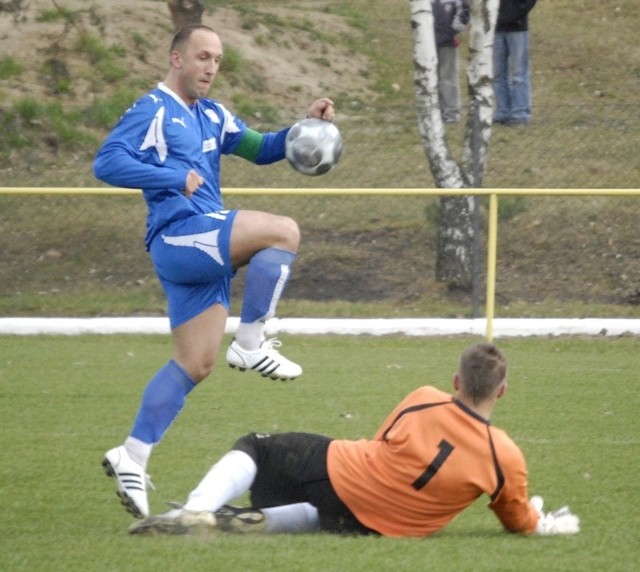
[496, 464]
[412, 409]
[471, 412]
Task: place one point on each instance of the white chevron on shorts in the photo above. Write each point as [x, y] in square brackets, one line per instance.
[205, 241]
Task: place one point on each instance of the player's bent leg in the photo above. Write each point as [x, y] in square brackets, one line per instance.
[266, 279]
[253, 231]
[269, 244]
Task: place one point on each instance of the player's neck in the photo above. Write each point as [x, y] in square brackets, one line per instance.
[484, 409]
[175, 87]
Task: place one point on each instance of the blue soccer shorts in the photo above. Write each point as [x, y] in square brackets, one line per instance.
[192, 259]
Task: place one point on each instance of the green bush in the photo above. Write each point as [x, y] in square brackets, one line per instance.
[105, 111]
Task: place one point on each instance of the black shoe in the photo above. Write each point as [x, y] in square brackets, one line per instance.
[239, 520]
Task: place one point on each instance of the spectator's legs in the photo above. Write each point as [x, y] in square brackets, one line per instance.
[501, 78]
[449, 84]
[520, 74]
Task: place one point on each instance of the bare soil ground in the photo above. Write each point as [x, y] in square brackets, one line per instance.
[291, 66]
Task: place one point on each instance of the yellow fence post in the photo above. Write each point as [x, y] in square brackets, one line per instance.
[492, 244]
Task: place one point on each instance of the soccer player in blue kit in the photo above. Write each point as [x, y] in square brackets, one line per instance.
[169, 145]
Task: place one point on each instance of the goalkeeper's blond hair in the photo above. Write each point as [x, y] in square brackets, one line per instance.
[482, 369]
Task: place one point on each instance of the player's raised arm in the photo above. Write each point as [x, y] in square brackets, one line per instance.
[322, 109]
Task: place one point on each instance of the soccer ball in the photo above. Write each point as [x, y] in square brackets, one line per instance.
[313, 146]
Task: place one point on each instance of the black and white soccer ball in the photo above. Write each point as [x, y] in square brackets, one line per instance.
[313, 146]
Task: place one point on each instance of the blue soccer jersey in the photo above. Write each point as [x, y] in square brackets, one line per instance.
[155, 144]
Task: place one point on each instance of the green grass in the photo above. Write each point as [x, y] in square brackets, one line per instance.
[571, 406]
[65, 256]
[9, 67]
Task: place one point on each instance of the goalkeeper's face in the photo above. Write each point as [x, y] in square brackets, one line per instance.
[197, 63]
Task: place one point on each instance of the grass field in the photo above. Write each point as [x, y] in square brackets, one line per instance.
[572, 407]
[572, 404]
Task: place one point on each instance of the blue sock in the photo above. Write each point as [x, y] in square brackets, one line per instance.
[162, 400]
[267, 275]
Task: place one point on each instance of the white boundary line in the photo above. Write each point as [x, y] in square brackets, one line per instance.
[502, 327]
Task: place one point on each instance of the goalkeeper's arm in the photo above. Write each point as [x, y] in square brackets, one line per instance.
[561, 521]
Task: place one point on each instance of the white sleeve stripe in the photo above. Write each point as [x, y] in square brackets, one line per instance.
[155, 136]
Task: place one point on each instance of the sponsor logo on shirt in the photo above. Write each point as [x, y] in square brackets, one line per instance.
[209, 145]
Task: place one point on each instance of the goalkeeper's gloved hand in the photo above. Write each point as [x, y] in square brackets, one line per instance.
[561, 521]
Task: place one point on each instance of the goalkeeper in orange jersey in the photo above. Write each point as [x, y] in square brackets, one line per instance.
[432, 457]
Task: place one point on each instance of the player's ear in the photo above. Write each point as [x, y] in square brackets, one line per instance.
[502, 389]
[456, 381]
[174, 58]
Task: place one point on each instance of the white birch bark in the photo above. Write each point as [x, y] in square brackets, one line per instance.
[184, 12]
[479, 80]
[455, 229]
[445, 170]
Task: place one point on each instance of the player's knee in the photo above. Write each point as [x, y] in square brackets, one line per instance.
[248, 444]
[290, 234]
[200, 370]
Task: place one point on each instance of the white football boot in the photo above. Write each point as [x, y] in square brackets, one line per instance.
[131, 481]
[266, 360]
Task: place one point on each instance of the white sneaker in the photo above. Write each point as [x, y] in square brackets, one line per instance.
[131, 481]
[266, 360]
[177, 521]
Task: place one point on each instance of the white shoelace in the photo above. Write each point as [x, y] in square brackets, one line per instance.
[271, 344]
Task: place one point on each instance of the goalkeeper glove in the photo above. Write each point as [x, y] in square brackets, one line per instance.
[561, 521]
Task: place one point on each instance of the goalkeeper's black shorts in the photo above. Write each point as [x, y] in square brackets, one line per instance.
[292, 468]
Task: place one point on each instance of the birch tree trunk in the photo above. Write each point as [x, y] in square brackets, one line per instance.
[480, 85]
[184, 12]
[455, 227]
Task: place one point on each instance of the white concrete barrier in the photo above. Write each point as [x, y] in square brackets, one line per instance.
[502, 327]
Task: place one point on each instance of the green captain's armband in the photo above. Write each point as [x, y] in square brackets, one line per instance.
[249, 145]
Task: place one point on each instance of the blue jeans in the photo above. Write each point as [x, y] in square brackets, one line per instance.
[449, 83]
[512, 77]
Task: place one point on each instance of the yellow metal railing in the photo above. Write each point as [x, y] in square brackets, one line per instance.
[492, 243]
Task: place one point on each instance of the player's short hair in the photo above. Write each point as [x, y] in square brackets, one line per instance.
[184, 33]
[482, 369]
